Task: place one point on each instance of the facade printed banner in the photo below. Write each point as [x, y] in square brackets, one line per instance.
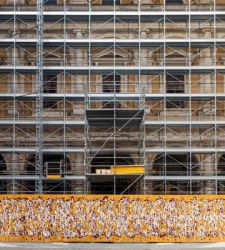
[112, 218]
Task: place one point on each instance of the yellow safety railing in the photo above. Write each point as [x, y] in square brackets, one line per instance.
[127, 169]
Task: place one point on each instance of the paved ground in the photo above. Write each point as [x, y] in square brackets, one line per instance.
[113, 246]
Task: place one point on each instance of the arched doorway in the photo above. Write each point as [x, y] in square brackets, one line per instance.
[175, 165]
[53, 164]
[105, 184]
[221, 165]
[221, 172]
[3, 168]
[107, 160]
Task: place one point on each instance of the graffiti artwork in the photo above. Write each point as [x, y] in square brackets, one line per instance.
[112, 218]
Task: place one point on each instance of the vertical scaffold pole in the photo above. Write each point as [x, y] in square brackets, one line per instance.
[39, 100]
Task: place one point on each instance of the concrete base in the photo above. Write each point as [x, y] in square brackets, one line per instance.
[115, 246]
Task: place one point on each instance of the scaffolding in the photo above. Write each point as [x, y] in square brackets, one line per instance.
[90, 86]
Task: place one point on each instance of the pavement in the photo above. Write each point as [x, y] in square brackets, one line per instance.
[114, 246]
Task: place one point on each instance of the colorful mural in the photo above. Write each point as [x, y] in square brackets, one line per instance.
[112, 218]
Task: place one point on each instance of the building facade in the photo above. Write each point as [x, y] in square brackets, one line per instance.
[112, 97]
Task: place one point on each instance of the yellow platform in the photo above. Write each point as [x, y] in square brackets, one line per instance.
[127, 169]
[54, 176]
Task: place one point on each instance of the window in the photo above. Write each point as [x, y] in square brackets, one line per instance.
[51, 2]
[175, 84]
[175, 104]
[49, 104]
[108, 84]
[108, 87]
[50, 84]
[174, 1]
[110, 2]
[49, 87]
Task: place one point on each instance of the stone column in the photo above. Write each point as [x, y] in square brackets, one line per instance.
[205, 1]
[144, 57]
[22, 2]
[206, 60]
[15, 164]
[124, 81]
[16, 56]
[144, 34]
[77, 60]
[210, 187]
[34, 83]
[79, 52]
[77, 167]
[78, 186]
[148, 172]
[19, 88]
[207, 167]
[31, 2]
[208, 84]
[79, 57]
[206, 33]
[206, 164]
[9, 57]
[79, 164]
